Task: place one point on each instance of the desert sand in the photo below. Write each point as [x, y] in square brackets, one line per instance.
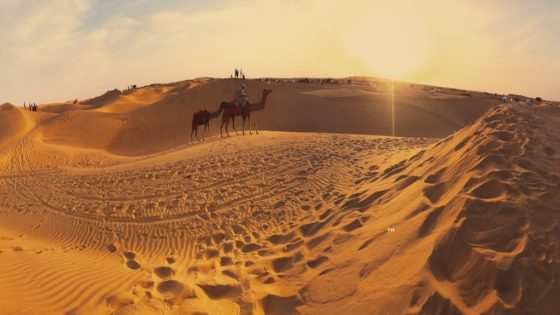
[107, 207]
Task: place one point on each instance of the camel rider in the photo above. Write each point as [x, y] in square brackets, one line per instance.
[240, 97]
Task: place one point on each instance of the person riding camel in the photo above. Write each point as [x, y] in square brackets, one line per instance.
[241, 97]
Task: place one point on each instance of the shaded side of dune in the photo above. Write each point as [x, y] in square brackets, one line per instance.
[501, 251]
[474, 224]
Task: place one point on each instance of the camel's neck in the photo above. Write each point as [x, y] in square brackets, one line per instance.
[218, 112]
[260, 106]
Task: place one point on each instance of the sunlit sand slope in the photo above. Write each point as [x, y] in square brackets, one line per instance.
[194, 229]
[468, 225]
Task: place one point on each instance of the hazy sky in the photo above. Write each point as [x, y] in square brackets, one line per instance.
[63, 49]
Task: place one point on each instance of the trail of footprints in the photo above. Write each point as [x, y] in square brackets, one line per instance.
[255, 214]
[172, 190]
[267, 246]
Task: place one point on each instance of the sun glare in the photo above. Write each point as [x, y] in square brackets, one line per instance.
[391, 41]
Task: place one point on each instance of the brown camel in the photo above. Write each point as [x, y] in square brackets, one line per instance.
[230, 110]
[202, 118]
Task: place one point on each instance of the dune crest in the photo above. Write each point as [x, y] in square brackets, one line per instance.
[157, 117]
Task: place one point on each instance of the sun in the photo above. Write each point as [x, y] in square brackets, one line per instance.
[390, 40]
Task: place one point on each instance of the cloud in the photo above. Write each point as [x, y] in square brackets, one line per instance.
[62, 49]
[37, 29]
[52, 44]
[34, 35]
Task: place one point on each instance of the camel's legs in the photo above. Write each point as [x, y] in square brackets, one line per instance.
[221, 127]
[233, 123]
[195, 130]
[226, 127]
[249, 117]
[243, 123]
[206, 129]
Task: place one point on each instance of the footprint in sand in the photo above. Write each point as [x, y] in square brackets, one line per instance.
[366, 244]
[226, 261]
[356, 224]
[164, 272]
[129, 255]
[489, 189]
[171, 286]
[317, 262]
[111, 248]
[121, 299]
[175, 292]
[17, 248]
[220, 291]
[133, 264]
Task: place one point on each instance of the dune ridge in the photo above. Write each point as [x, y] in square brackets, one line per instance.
[156, 118]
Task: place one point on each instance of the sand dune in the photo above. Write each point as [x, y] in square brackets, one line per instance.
[13, 122]
[480, 240]
[157, 117]
[81, 128]
[106, 209]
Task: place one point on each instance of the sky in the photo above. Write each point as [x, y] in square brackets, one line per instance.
[58, 50]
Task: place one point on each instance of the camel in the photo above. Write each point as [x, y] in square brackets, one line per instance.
[202, 118]
[230, 110]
